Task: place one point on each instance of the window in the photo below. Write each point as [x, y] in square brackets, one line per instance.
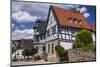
[50, 31]
[53, 29]
[44, 49]
[43, 36]
[35, 30]
[79, 21]
[63, 30]
[70, 38]
[70, 20]
[37, 38]
[48, 48]
[48, 34]
[40, 37]
[73, 35]
[75, 20]
[52, 49]
[36, 47]
[51, 20]
[37, 25]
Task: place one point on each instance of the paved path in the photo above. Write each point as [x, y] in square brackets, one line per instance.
[31, 62]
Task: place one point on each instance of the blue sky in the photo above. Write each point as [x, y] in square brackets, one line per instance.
[24, 15]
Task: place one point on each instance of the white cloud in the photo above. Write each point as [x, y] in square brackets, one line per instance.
[24, 11]
[22, 34]
[32, 8]
[23, 17]
[83, 9]
[86, 15]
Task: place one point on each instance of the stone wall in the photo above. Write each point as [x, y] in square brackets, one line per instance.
[78, 55]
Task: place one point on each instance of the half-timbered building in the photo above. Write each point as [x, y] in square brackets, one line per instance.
[61, 27]
[18, 46]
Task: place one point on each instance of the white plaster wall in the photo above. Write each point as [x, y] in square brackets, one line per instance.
[73, 38]
[52, 21]
[93, 36]
[18, 54]
[66, 45]
[49, 25]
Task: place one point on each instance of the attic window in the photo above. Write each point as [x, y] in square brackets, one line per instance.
[70, 20]
[75, 20]
[79, 21]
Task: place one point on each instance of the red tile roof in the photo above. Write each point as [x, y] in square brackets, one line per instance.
[63, 15]
[93, 27]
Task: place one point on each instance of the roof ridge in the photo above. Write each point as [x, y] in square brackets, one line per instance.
[65, 9]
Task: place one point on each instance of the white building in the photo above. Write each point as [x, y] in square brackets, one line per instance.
[61, 27]
[18, 46]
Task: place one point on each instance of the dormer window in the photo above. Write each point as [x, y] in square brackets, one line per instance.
[75, 20]
[70, 20]
[79, 21]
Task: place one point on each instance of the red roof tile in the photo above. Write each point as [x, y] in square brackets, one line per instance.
[93, 27]
[63, 15]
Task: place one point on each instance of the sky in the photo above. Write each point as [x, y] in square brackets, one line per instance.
[24, 15]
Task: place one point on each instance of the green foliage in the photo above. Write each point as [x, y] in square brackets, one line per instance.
[84, 40]
[37, 57]
[90, 47]
[34, 50]
[60, 50]
[30, 51]
[62, 53]
[27, 52]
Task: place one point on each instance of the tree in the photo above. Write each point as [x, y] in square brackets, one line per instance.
[27, 52]
[84, 40]
[34, 50]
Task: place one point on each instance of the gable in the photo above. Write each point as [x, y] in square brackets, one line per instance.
[51, 20]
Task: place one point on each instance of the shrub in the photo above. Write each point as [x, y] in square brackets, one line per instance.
[84, 40]
[34, 50]
[30, 51]
[61, 53]
[60, 50]
[37, 57]
[89, 47]
[27, 52]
